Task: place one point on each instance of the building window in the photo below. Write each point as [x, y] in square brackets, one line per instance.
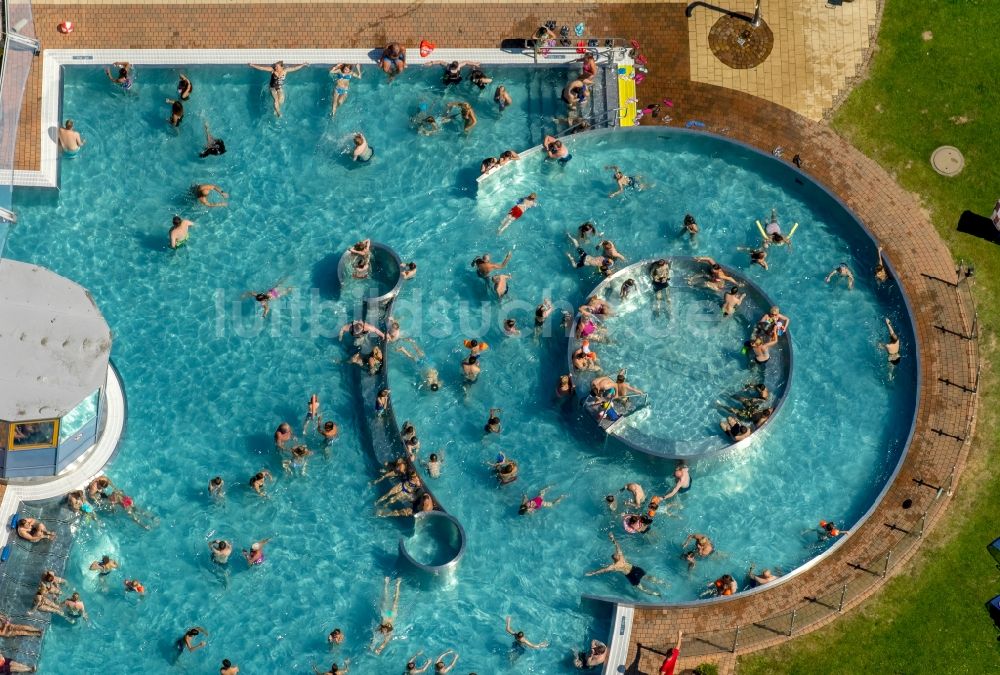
[33, 435]
[79, 417]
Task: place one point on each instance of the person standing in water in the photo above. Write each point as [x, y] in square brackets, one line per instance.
[179, 231]
[70, 140]
[278, 73]
[362, 151]
[201, 193]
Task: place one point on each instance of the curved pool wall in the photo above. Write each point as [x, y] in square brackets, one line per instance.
[756, 303]
[440, 538]
[383, 430]
[803, 179]
[267, 401]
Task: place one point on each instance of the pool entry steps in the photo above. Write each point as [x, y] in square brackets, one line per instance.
[22, 569]
[438, 541]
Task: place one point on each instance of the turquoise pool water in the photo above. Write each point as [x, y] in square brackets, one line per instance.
[208, 380]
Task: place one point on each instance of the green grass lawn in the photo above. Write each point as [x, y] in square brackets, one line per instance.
[934, 81]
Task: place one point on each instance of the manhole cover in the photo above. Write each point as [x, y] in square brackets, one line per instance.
[947, 160]
[738, 44]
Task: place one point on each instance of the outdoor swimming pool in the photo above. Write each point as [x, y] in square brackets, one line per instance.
[208, 380]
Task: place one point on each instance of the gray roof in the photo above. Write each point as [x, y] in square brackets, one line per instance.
[54, 343]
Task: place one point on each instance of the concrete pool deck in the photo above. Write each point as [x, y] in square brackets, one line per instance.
[925, 269]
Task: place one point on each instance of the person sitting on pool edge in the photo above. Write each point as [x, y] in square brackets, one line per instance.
[735, 429]
[555, 149]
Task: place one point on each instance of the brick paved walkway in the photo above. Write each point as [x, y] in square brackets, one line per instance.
[892, 215]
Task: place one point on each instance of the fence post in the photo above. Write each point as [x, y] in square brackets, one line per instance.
[791, 623]
[886, 569]
[736, 639]
[843, 594]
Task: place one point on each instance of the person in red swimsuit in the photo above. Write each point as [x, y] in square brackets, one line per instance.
[670, 662]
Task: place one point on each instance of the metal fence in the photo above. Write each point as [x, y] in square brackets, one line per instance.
[908, 526]
[19, 49]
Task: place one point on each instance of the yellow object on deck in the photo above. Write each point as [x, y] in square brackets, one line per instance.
[626, 95]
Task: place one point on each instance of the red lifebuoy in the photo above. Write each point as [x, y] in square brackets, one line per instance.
[581, 47]
[66, 27]
[426, 47]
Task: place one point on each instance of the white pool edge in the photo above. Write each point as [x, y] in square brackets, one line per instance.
[53, 61]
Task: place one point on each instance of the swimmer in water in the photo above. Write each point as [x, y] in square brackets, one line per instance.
[187, 641]
[690, 227]
[433, 464]
[765, 577]
[255, 556]
[440, 666]
[842, 271]
[510, 328]
[597, 655]
[469, 119]
[106, 565]
[731, 300]
[360, 331]
[342, 74]
[565, 386]
[336, 637]
[201, 193]
[493, 425]
[432, 380]
[584, 232]
[772, 233]
[502, 98]
[555, 149]
[126, 75]
[184, 87]
[682, 480]
[258, 482]
[633, 573]
[625, 182]
[282, 435]
[521, 641]
[408, 270]
[362, 151]
[213, 146]
[278, 73]
[176, 112]
[452, 70]
[221, 550]
[623, 389]
[628, 286]
[612, 503]
[542, 313]
[500, 287]
[637, 493]
[659, 275]
[264, 298]
[471, 368]
[724, 585]
[388, 617]
[75, 607]
[298, 460]
[735, 429]
[522, 205]
[179, 231]
[702, 545]
[413, 668]
[537, 502]
[70, 139]
[716, 275]
[892, 346]
[758, 256]
[479, 78]
[484, 266]
[881, 273]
